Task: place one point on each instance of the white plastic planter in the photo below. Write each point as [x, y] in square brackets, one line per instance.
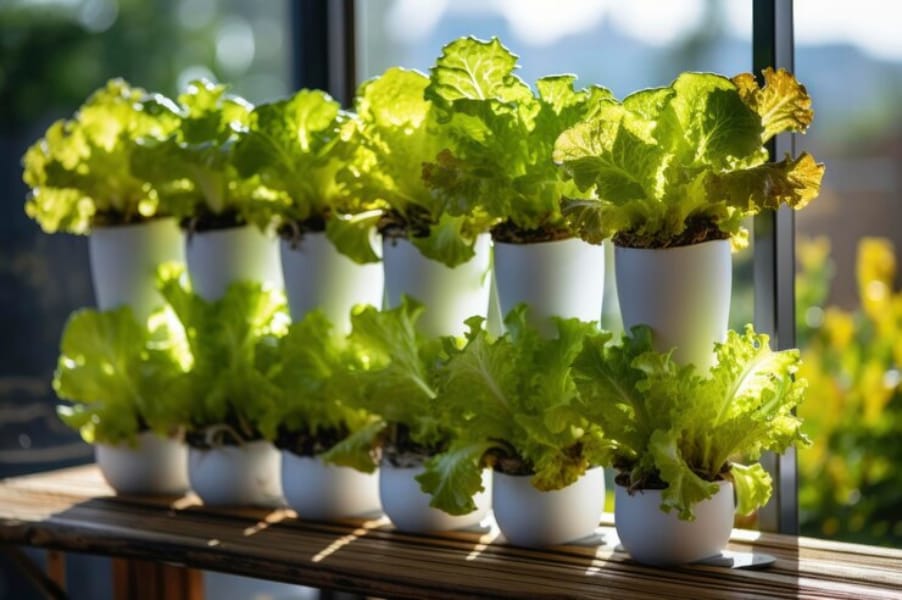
[124, 261]
[220, 257]
[324, 492]
[654, 537]
[682, 293]
[246, 475]
[449, 295]
[563, 278]
[408, 506]
[529, 517]
[319, 276]
[156, 466]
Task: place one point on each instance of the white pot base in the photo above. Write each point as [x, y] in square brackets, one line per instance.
[563, 278]
[532, 518]
[319, 276]
[654, 537]
[682, 293]
[124, 261]
[247, 475]
[324, 492]
[449, 295]
[407, 506]
[156, 466]
[220, 257]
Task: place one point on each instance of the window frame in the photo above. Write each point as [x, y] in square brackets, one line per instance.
[324, 56]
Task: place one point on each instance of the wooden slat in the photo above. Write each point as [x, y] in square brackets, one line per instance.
[74, 510]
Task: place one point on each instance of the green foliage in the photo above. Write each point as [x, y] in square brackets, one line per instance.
[675, 428]
[79, 174]
[513, 400]
[686, 163]
[504, 135]
[849, 480]
[297, 146]
[119, 374]
[192, 167]
[233, 344]
[400, 381]
[312, 361]
[399, 133]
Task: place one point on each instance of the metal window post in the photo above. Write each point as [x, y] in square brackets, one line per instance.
[324, 44]
[774, 257]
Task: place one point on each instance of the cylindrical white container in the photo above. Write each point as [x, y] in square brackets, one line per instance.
[124, 261]
[449, 295]
[156, 466]
[682, 293]
[529, 517]
[563, 278]
[323, 492]
[408, 506]
[220, 257]
[654, 537]
[319, 276]
[246, 475]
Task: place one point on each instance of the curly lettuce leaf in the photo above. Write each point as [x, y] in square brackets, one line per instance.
[78, 172]
[118, 373]
[398, 383]
[192, 167]
[672, 425]
[504, 133]
[782, 102]
[311, 360]
[686, 163]
[513, 398]
[234, 349]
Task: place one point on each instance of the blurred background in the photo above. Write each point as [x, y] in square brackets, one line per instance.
[53, 53]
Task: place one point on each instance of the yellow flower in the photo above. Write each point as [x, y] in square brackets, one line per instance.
[876, 271]
[839, 326]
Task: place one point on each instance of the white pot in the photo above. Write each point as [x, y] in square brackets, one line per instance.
[247, 475]
[220, 257]
[654, 537]
[449, 295]
[156, 466]
[319, 276]
[682, 293]
[323, 492]
[408, 506]
[124, 261]
[563, 278]
[529, 517]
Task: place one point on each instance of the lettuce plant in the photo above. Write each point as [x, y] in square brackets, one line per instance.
[399, 134]
[686, 163]
[79, 173]
[504, 134]
[192, 167]
[678, 430]
[514, 405]
[233, 343]
[313, 416]
[297, 146]
[399, 383]
[118, 373]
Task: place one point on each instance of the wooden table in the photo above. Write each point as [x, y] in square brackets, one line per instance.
[73, 510]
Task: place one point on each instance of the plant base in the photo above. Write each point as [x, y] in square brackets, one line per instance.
[324, 492]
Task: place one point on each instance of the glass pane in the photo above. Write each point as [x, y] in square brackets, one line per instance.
[848, 296]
